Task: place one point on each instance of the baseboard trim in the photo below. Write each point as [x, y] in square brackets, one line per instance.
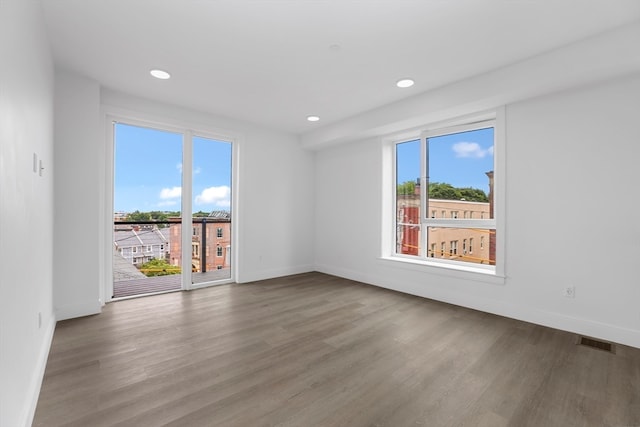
[38, 374]
[524, 313]
[273, 273]
[86, 308]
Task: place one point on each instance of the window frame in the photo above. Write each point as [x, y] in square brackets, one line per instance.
[480, 272]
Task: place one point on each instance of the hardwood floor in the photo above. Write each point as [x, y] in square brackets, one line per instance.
[316, 350]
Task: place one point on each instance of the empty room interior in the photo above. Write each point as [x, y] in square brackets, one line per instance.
[399, 213]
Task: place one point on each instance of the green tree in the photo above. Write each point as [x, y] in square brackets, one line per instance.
[158, 215]
[138, 216]
[159, 267]
[407, 187]
[442, 190]
[473, 194]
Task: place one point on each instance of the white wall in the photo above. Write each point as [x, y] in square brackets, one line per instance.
[571, 161]
[26, 208]
[79, 156]
[275, 199]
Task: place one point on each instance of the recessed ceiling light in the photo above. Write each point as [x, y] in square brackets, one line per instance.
[160, 74]
[404, 83]
[313, 118]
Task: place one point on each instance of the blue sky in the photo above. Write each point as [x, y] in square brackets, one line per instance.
[148, 171]
[460, 159]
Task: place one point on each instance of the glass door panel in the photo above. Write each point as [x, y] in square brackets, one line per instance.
[211, 204]
[147, 249]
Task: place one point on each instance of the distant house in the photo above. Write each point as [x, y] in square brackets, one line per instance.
[473, 245]
[140, 244]
[210, 242]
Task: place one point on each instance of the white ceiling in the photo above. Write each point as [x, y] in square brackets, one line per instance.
[273, 62]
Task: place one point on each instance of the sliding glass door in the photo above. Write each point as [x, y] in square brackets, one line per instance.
[172, 210]
[211, 210]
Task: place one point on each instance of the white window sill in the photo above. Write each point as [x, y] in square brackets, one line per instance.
[464, 272]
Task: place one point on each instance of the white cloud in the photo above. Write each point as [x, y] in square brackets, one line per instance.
[219, 196]
[171, 193]
[471, 149]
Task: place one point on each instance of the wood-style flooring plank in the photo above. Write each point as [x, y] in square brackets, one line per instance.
[317, 350]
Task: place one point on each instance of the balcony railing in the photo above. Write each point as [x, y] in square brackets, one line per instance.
[147, 255]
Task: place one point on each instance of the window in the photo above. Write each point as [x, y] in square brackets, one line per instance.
[195, 250]
[195, 231]
[453, 249]
[219, 251]
[219, 232]
[450, 170]
[134, 249]
[219, 267]
[149, 248]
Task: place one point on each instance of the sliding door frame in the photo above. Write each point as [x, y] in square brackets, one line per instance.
[188, 132]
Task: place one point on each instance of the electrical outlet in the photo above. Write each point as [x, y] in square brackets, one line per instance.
[570, 292]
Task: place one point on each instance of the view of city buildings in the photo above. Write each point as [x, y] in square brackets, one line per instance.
[139, 243]
[473, 245]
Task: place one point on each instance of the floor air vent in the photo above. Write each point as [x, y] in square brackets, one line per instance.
[597, 344]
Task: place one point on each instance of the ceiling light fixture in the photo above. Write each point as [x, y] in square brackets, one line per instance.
[313, 118]
[404, 83]
[160, 74]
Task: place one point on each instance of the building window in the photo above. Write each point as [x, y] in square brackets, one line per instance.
[134, 250]
[149, 248]
[195, 250]
[219, 251]
[457, 170]
[219, 232]
[219, 267]
[195, 231]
